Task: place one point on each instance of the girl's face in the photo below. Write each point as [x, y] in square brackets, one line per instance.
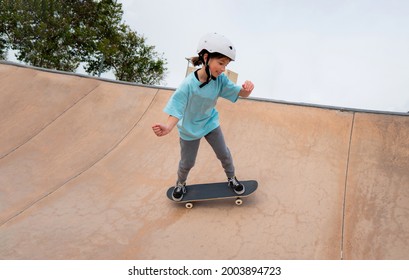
[218, 65]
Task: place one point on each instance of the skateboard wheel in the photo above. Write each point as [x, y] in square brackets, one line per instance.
[239, 201]
[189, 205]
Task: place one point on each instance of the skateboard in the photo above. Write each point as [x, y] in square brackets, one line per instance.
[213, 191]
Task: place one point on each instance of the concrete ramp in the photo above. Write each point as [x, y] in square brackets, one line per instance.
[82, 176]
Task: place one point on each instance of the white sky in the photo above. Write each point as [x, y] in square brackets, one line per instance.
[350, 53]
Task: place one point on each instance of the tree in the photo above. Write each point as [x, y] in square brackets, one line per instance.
[137, 62]
[3, 49]
[60, 34]
[3, 42]
[41, 32]
[6, 13]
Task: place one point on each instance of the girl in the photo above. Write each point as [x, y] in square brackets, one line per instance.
[192, 109]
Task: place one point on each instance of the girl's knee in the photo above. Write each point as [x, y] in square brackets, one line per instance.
[187, 165]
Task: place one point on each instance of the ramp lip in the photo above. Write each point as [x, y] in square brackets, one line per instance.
[5, 62]
[328, 107]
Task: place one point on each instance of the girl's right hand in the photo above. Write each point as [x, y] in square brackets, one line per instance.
[160, 129]
[163, 129]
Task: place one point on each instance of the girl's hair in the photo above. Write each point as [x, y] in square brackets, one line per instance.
[198, 60]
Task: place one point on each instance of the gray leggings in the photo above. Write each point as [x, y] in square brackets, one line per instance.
[189, 151]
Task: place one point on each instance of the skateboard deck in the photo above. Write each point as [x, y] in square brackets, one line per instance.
[213, 191]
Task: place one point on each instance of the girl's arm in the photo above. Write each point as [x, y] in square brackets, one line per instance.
[246, 89]
[164, 129]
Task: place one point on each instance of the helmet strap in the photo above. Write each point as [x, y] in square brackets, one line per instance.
[207, 70]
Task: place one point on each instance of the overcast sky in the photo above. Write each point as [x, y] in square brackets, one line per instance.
[350, 53]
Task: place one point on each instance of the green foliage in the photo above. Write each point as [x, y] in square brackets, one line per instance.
[135, 61]
[60, 34]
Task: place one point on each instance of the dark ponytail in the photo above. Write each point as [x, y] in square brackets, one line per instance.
[196, 61]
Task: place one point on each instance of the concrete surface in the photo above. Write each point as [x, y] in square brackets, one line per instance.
[82, 176]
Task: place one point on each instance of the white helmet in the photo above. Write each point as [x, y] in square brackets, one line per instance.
[216, 43]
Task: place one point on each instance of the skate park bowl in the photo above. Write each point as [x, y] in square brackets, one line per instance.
[82, 176]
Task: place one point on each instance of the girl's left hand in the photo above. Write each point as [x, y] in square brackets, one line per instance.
[246, 89]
